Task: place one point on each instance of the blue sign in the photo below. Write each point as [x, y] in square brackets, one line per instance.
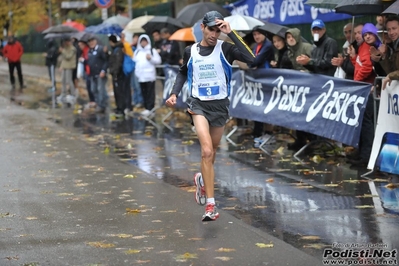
[104, 3]
[284, 12]
[325, 106]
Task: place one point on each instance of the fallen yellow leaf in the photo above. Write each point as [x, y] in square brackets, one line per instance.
[100, 245]
[223, 258]
[132, 211]
[310, 237]
[31, 218]
[186, 256]
[225, 250]
[263, 245]
[315, 246]
[392, 185]
[132, 251]
[331, 185]
[365, 207]
[270, 180]
[129, 176]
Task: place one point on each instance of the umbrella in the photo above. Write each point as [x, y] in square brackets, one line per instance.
[243, 23]
[271, 29]
[363, 7]
[392, 9]
[192, 13]
[56, 35]
[104, 28]
[136, 25]
[184, 35]
[159, 22]
[328, 4]
[60, 29]
[118, 19]
[75, 24]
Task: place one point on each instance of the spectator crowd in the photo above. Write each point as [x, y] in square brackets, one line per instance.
[370, 50]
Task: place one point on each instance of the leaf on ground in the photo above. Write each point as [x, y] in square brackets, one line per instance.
[316, 246]
[367, 196]
[81, 184]
[380, 180]
[129, 176]
[230, 208]
[280, 150]
[364, 207]
[31, 218]
[142, 261]
[169, 211]
[317, 158]
[106, 151]
[139, 237]
[223, 258]
[310, 237]
[132, 211]
[225, 250]
[148, 182]
[165, 251]
[188, 142]
[392, 185]
[12, 258]
[352, 181]
[65, 194]
[331, 185]
[279, 170]
[132, 251]
[304, 186]
[100, 245]
[259, 207]
[186, 256]
[270, 180]
[14, 190]
[121, 235]
[6, 214]
[263, 245]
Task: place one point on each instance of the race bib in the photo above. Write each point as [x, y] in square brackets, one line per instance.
[208, 91]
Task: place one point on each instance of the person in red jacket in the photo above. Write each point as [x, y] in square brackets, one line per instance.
[13, 51]
[364, 71]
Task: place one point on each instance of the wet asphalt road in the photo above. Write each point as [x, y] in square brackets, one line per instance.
[308, 203]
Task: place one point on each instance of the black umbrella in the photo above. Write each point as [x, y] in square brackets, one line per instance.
[363, 7]
[192, 13]
[329, 4]
[270, 29]
[392, 9]
[60, 29]
[160, 22]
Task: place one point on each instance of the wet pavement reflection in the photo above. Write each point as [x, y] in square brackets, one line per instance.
[309, 202]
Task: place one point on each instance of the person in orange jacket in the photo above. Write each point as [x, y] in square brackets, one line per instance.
[13, 51]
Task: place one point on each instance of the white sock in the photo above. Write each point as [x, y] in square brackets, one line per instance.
[210, 200]
[201, 181]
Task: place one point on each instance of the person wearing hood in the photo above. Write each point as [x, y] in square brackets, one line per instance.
[264, 54]
[51, 60]
[13, 52]
[146, 59]
[325, 49]
[281, 59]
[297, 47]
[364, 72]
[119, 79]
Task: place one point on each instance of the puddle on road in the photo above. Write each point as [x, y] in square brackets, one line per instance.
[309, 202]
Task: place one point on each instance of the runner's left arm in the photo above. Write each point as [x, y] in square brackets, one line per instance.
[237, 51]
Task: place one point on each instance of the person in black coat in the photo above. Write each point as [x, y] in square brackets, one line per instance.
[51, 60]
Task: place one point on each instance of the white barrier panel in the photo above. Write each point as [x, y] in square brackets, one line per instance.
[385, 152]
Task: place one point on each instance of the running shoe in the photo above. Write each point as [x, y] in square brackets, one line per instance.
[200, 196]
[210, 213]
